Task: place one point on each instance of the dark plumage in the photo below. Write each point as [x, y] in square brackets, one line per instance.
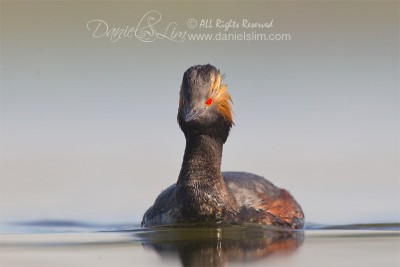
[202, 193]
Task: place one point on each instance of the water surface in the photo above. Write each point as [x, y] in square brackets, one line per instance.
[84, 244]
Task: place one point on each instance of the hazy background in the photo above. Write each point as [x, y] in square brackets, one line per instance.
[88, 126]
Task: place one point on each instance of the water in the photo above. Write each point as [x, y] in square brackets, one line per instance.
[67, 243]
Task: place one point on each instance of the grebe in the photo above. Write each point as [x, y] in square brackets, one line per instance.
[202, 193]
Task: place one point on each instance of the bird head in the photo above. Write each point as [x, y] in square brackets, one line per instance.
[204, 103]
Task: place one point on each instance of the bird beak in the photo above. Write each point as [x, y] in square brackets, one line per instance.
[194, 113]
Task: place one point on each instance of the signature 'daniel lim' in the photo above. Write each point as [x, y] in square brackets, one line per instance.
[145, 30]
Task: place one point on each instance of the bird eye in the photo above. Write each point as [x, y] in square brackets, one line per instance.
[209, 101]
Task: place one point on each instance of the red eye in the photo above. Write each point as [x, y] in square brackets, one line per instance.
[209, 101]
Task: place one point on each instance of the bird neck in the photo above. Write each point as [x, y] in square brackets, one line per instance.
[202, 162]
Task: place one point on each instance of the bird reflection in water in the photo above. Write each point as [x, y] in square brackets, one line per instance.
[219, 246]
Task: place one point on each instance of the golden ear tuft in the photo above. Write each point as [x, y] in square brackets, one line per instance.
[215, 82]
[221, 96]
